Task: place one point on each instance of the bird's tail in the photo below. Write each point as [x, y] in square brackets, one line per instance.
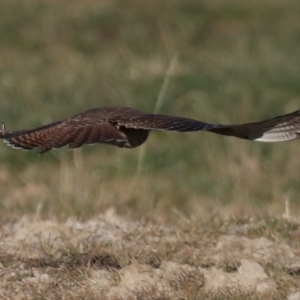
[29, 139]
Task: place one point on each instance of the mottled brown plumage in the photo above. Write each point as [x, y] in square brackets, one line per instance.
[129, 128]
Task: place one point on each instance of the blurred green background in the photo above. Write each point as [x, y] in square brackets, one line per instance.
[222, 61]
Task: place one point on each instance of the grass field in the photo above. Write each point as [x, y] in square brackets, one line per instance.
[218, 61]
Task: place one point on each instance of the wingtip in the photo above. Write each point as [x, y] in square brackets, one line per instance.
[3, 127]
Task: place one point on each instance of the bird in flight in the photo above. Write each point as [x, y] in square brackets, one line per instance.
[127, 127]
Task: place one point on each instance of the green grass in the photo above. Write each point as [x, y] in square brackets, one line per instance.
[237, 62]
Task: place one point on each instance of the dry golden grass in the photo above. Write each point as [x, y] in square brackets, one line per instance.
[111, 257]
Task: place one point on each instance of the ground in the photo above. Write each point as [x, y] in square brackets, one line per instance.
[120, 259]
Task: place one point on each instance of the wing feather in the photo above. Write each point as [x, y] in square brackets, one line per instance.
[59, 134]
[163, 122]
[279, 129]
[30, 139]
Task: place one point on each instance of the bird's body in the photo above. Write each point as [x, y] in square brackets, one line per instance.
[129, 128]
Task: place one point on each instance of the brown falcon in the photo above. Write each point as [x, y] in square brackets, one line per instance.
[129, 128]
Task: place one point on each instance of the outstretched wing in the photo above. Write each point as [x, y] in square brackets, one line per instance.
[73, 133]
[279, 129]
[162, 122]
[30, 139]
